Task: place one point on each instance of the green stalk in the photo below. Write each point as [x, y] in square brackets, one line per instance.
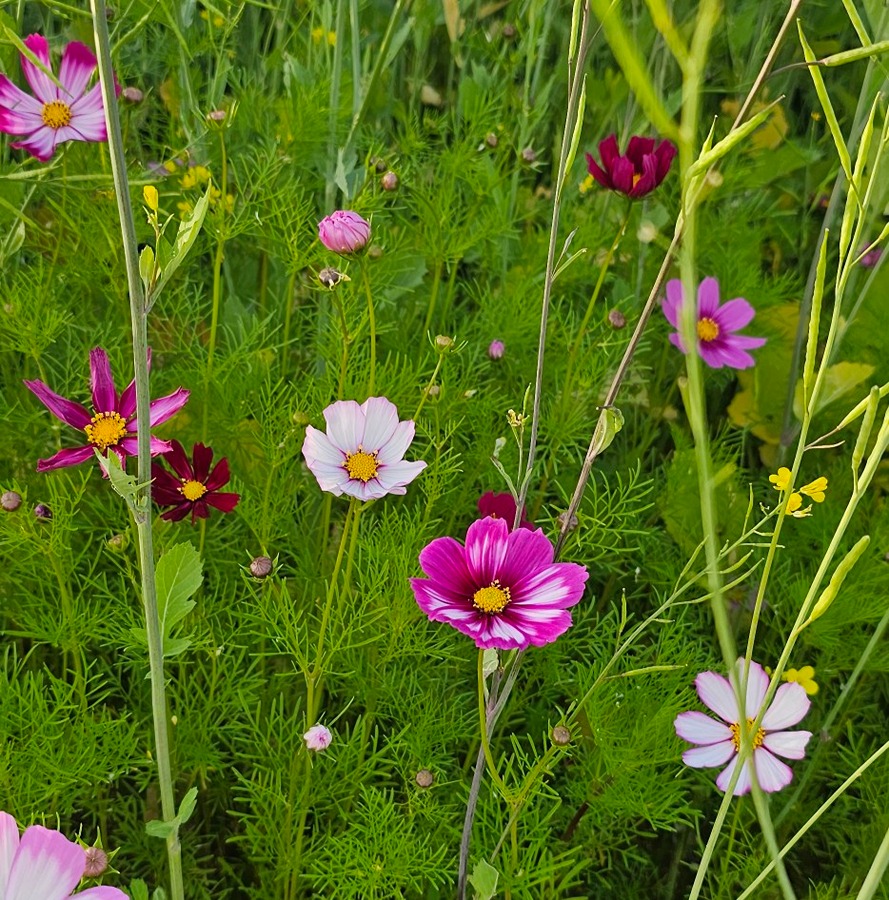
[335, 81]
[141, 510]
[371, 379]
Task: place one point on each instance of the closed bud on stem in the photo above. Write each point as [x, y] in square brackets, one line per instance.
[561, 736]
[42, 511]
[11, 501]
[616, 319]
[424, 778]
[444, 343]
[150, 196]
[389, 182]
[132, 95]
[261, 567]
[96, 862]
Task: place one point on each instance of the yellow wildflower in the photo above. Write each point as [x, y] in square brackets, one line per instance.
[794, 502]
[815, 489]
[587, 184]
[781, 481]
[805, 677]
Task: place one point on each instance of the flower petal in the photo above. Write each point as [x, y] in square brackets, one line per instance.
[101, 893]
[638, 149]
[789, 706]
[397, 475]
[345, 425]
[716, 693]
[664, 153]
[202, 456]
[102, 382]
[597, 173]
[166, 407]
[47, 865]
[224, 501]
[41, 144]
[178, 512]
[70, 457]
[393, 450]
[16, 100]
[708, 298]
[697, 728]
[771, 773]
[19, 122]
[709, 755]
[757, 685]
[560, 585]
[41, 84]
[743, 785]
[527, 552]
[486, 546]
[444, 562]
[497, 632]
[789, 744]
[78, 64]
[622, 175]
[609, 152]
[672, 303]
[9, 843]
[219, 477]
[68, 411]
[381, 420]
[734, 315]
[178, 461]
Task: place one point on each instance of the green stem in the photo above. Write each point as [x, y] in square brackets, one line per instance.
[436, 284]
[371, 380]
[141, 508]
[428, 387]
[335, 82]
[483, 728]
[344, 357]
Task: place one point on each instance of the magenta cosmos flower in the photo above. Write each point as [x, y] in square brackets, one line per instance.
[43, 865]
[362, 453]
[644, 167]
[112, 426]
[344, 232]
[718, 344]
[57, 113]
[502, 506]
[502, 588]
[719, 742]
[195, 487]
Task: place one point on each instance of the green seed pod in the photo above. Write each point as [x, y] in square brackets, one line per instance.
[828, 595]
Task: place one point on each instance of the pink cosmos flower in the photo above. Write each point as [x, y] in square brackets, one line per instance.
[344, 231]
[112, 426]
[502, 588]
[496, 349]
[644, 167]
[56, 113]
[362, 453]
[502, 506]
[317, 738]
[719, 742]
[43, 865]
[194, 488]
[718, 344]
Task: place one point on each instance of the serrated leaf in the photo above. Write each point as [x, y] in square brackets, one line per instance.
[484, 879]
[179, 574]
[127, 486]
[610, 423]
[189, 229]
[157, 828]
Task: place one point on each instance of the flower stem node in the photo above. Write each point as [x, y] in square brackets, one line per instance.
[561, 736]
[11, 500]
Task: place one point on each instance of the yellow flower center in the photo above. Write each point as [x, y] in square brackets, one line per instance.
[361, 466]
[193, 490]
[106, 430]
[56, 114]
[759, 737]
[708, 330]
[491, 599]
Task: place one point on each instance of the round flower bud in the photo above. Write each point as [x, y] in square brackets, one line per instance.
[433, 390]
[344, 232]
[389, 182]
[563, 518]
[117, 542]
[508, 31]
[317, 738]
[379, 164]
[443, 343]
[300, 418]
[330, 277]
[132, 95]
[96, 862]
[529, 155]
[375, 252]
[424, 778]
[261, 567]
[42, 511]
[616, 319]
[491, 139]
[496, 349]
[561, 736]
[11, 501]
[217, 115]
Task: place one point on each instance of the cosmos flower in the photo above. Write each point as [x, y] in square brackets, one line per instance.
[719, 742]
[496, 349]
[43, 865]
[195, 487]
[644, 167]
[718, 345]
[502, 506]
[502, 588]
[57, 113]
[362, 452]
[317, 738]
[344, 232]
[112, 426]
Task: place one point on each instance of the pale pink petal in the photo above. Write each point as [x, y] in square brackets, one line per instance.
[41, 144]
[47, 866]
[83, 128]
[789, 707]
[789, 744]
[345, 425]
[771, 773]
[394, 449]
[317, 448]
[710, 755]
[381, 420]
[486, 545]
[78, 63]
[42, 85]
[91, 105]
[743, 785]
[68, 411]
[102, 382]
[16, 100]
[697, 728]
[708, 298]
[757, 685]
[9, 843]
[717, 694]
[100, 893]
[673, 301]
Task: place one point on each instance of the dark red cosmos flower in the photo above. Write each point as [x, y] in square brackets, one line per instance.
[196, 488]
[502, 506]
[638, 173]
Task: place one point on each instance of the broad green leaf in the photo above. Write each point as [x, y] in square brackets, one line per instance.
[187, 806]
[188, 232]
[611, 420]
[157, 828]
[123, 484]
[179, 574]
[138, 890]
[484, 879]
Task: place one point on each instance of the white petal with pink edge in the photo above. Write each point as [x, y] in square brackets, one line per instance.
[789, 744]
[717, 694]
[771, 773]
[381, 420]
[709, 756]
[725, 776]
[697, 728]
[789, 706]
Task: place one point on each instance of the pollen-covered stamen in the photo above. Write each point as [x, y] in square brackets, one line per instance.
[56, 114]
[758, 738]
[491, 599]
[192, 490]
[708, 330]
[361, 466]
[106, 429]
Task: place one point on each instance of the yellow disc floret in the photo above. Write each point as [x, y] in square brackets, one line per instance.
[708, 330]
[361, 466]
[56, 114]
[106, 430]
[491, 599]
[192, 490]
[758, 738]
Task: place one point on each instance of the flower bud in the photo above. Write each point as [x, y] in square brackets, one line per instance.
[375, 252]
[150, 196]
[317, 738]
[96, 862]
[217, 115]
[132, 95]
[11, 500]
[330, 277]
[491, 139]
[616, 319]
[379, 164]
[261, 567]
[496, 349]
[529, 155]
[563, 520]
[117, 542]
[508, 31]
[344, 232]
[389, 182]
[444, 343]
[433, 390]
[424, 778]
[42, 511]
[561, 736]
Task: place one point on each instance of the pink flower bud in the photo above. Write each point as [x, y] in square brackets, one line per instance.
[496, 349]
[317, 738]
[344, 231]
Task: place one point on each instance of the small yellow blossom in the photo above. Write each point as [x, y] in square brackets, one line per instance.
[149, 194]
[805, 677]
[185, 209]
[815, 489]
[781, 481]
[587, 184]
[319, 34]
[794, 502]
[170, 165]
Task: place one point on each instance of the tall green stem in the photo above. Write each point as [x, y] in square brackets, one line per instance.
[371, 379]
[141, 509]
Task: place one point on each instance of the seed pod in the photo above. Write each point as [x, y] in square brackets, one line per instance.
[828, 595]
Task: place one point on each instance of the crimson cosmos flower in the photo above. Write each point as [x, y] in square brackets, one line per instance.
[196, 487]
[502, 506]
[636, 174]
[112, 426]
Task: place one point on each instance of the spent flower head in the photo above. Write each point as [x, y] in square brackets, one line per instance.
[636, 174]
